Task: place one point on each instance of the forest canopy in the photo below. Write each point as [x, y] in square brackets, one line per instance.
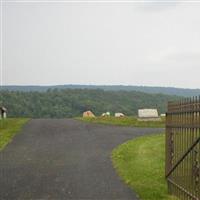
[59, 103]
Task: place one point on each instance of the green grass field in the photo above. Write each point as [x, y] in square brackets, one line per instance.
[141, 163]
[9, 128]
[124, 121]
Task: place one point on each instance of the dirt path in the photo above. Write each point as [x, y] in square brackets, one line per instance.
[64, 159]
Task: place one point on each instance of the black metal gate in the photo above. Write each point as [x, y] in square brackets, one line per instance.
[183, 148]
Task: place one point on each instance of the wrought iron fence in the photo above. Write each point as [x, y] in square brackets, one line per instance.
[183, 148]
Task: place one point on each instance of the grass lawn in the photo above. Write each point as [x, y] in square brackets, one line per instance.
[140, 163]
[124, 121]
[9, 128]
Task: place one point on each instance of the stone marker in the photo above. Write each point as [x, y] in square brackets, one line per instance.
[88, 114]
[119, 115]
[148, 115]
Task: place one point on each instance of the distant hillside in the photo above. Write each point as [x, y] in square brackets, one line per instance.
[56, 103]
[145, 89]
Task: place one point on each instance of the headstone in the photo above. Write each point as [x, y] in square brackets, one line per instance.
[147, 113]
[119, 115]
[88, 114]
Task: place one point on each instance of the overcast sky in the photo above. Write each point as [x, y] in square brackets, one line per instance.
[102, 43]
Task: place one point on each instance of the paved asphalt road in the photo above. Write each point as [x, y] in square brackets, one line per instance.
[64, 159]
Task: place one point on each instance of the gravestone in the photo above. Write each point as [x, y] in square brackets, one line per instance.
[148, 115]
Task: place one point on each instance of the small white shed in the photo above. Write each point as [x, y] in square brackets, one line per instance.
[3, 112]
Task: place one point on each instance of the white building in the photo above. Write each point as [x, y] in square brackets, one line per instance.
[3, 111]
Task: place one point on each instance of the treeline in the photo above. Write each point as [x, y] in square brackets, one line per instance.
[55, 103]
[146, 89]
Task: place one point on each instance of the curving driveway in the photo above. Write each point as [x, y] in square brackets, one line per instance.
[64, 159]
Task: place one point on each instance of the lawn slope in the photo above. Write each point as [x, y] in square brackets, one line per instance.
[124, 121]
[140, 163]
[9, 128]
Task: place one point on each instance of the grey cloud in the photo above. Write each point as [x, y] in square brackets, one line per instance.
[100, 44]
[158, 5]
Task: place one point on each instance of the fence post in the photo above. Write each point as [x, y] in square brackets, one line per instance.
[183, 148]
